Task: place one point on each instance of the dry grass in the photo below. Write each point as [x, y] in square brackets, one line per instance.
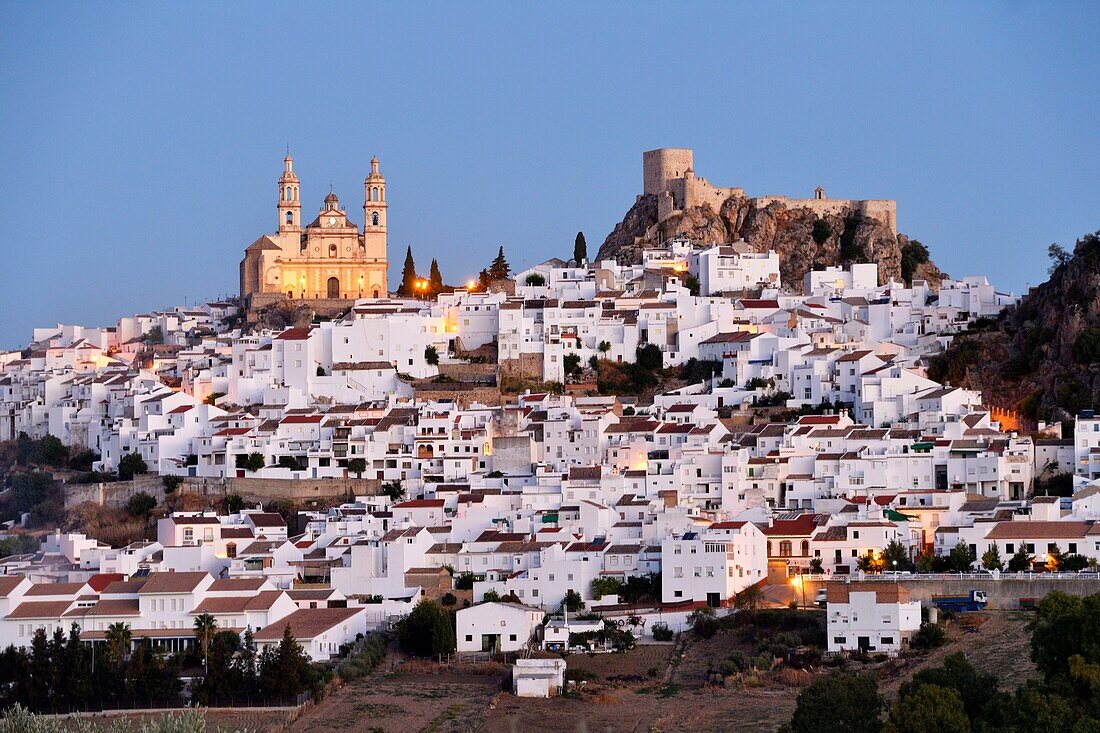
[108, 524]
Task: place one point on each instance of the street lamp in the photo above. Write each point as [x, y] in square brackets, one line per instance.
[799, 584]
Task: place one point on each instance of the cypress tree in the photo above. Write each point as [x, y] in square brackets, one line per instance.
[500, 268]
[580, 249]
[408, 275]
[435, 279]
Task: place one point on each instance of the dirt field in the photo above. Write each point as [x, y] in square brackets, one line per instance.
[403, 704]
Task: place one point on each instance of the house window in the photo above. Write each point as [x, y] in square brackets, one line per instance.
[511, 637]
[839, 640]
[469, 637]
[886, 640]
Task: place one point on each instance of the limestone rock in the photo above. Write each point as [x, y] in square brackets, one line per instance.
[844, 237]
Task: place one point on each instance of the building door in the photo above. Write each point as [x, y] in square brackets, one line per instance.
[490, 642]
[333, 287]
[863, 643]
[714, 600]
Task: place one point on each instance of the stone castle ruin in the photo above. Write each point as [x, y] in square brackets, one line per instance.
[669, 174]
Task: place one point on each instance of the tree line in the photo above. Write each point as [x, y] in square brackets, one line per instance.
[957, 698]
[61, 673]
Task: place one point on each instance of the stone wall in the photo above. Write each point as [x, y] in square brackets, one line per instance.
[1002, 593]
[463, 395]
[252, 490]
[527, 366]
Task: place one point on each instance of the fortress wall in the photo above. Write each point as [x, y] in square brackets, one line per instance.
[663, 165]
[882, 209]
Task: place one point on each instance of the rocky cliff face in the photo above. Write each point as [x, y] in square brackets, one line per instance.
[802, 239]
[1043, 357]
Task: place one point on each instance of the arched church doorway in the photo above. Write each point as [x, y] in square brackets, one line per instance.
[333, 287]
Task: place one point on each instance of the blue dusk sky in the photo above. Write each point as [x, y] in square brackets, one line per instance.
[140, 143]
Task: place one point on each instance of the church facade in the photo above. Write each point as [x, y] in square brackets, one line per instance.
[327, 259]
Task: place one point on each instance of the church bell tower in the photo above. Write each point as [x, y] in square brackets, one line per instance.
[374, 213]
[290, 205]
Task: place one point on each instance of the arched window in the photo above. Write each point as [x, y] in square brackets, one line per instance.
[374, 194]
[805, 548]
[287, 193]
[290, 295]
[333, 287]
[231, 549]
[332, 250]
[376, 292]
[785, 548]
[374, 219]
[769, 548]
[290, 217]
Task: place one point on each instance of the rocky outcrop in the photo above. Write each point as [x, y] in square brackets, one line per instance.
[1042, 357]
[802, 239]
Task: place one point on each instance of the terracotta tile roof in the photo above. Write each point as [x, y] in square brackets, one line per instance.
[307, 623]
[884, 592]
[222, 585]
[1039, 530]
[110, 607]
[40, 609]
[173, 582]
[54, 589]
[239, 604]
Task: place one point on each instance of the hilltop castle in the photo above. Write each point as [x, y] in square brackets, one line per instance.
[327, 259]
[669, 174]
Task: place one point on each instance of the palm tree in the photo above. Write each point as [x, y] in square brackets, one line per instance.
[118, 641]
[205, 627]
[603, 348]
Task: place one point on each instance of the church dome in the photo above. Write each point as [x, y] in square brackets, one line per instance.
[331, 198]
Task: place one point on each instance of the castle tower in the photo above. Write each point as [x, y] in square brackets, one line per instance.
[290, 205]
[374, 213]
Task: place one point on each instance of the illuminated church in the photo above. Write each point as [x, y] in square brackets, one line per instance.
[327, 259]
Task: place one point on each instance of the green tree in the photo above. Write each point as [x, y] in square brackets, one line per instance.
[155, 335]
[535, 280]
[394, 490]
[973, 688]
[961, 557]
[287, 671]
[821, 231]
[913, 255]
[571, 363]
[603, 347]
[118, 639]
[499, 269]
[408, 275]
[140, 504]
[1021, 560]
[580, 249]
[606, 586]
[435, 279]
[130, 465]
[991, 559]
[896, 557]
[251, 462]
[234, 503]
[49, 451]
[431, 355]
[929, 709]
[357, 466]
[171, 482]
[649, 357]
[490, 596]
[842, 703]
[573, 601]
[1065, 640]
[205, 628]
[428, 631]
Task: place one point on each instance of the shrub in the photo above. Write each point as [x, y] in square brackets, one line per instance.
[171, 483]
[428, 631]
[662, 632]
[535, 279]
[140, 504]
[130, 465]
[928, 636]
